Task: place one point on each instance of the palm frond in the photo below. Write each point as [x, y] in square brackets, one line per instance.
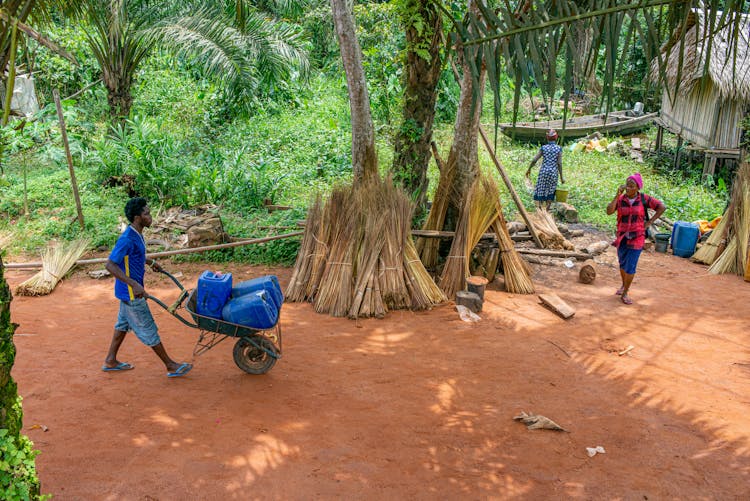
[530, 37]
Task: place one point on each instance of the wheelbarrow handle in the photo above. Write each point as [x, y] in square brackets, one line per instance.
[177, 282]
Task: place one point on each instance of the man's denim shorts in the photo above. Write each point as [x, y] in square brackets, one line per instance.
[136, 316]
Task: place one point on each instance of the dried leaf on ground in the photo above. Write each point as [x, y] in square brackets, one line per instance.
[538, 422]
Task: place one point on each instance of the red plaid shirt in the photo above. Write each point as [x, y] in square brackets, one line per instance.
[631, 220]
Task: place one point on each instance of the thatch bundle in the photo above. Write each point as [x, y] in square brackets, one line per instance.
[357, 258]
[481, 211]
[427, 248]
[546, 228]
[686, 62]
[734, 257]
[57, 261]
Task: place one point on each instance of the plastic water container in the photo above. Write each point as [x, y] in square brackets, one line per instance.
[684, 238]
[213, 292]
[254, 310]
[268, 283]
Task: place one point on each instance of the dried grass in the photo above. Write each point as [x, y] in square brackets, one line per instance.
[427, 248]
[733, 259]
[57, 261]
[482, 211]
[303, 267]
[546, 228]
[357, 258]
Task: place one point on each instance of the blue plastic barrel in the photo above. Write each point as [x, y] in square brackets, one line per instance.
[213, 293]
[684, 238]
[268, 283]
[254, 310]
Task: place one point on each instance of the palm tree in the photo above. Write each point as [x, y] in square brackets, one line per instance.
[231, 41]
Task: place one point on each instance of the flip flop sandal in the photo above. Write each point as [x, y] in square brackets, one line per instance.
[122, 366]
[619, 291]
[626, 300]
[181, 370]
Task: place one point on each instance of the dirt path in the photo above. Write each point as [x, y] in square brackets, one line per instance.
[418, 405]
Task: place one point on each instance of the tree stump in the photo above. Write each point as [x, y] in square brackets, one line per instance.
[587, 273]
[476, 285]
[469, 299]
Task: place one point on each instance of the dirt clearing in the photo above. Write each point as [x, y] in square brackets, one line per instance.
[418, 405]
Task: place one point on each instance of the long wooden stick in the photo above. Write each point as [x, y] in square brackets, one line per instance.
[101, 260]
[38, 37]
[555, 253]
[511, 189]
[64, 133]
[11, 82]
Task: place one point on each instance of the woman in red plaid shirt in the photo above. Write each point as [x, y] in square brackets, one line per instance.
[631, 207]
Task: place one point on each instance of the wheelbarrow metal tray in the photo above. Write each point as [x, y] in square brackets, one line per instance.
[216, 325]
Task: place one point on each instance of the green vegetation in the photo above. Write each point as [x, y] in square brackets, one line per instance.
[185, 144]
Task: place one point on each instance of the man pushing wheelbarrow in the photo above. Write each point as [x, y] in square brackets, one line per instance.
[252, 315]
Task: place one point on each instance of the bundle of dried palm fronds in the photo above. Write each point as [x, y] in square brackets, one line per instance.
[734, 257]
[304, 265]
[335, 293]
[57, 261]
[716, 241]
[357, 258]
[546, 228]
[481, 211]
[427, 248]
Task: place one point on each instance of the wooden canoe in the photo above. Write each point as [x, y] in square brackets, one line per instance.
[617, 122]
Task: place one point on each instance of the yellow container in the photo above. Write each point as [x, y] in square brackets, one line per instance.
[561, 195]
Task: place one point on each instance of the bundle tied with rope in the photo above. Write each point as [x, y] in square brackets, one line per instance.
[57, 261]
[482, 211]
[357, 258]
[548, 232]
[733, 252]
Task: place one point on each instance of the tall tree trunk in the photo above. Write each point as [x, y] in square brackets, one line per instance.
[464, 150]
[412, 142]
[364, 156]
[10, 415]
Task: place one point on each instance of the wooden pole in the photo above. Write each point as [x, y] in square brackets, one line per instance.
[102, 260]
[511, 189]
[11, 82]
[64, 133]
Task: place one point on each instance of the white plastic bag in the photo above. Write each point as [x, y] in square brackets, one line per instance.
[466, 314]
[592, 451]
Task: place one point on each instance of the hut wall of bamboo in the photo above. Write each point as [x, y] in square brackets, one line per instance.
[703, 117]
[713, 91]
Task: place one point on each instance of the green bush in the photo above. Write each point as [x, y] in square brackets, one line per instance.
[18, 477]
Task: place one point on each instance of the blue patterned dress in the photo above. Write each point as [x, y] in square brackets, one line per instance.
[546, 183]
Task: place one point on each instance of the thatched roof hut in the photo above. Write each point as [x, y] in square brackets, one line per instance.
[714, 88]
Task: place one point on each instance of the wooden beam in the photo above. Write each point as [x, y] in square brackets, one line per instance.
[555, 253]
[38, 37]
[102, 260]
[511, 189]
[73, 180]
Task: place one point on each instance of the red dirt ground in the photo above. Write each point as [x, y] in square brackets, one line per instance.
[416, 406]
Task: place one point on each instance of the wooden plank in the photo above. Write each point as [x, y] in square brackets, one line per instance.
[553, 302]
[583, 256]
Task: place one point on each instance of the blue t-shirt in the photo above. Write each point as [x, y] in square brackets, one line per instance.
[129, 254]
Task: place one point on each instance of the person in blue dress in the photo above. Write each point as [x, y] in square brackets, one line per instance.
[127, 263]
[546, 182]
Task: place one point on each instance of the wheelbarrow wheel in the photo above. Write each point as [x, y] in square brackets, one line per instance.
[252, 359]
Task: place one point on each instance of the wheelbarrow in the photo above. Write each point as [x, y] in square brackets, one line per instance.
[255, 351]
